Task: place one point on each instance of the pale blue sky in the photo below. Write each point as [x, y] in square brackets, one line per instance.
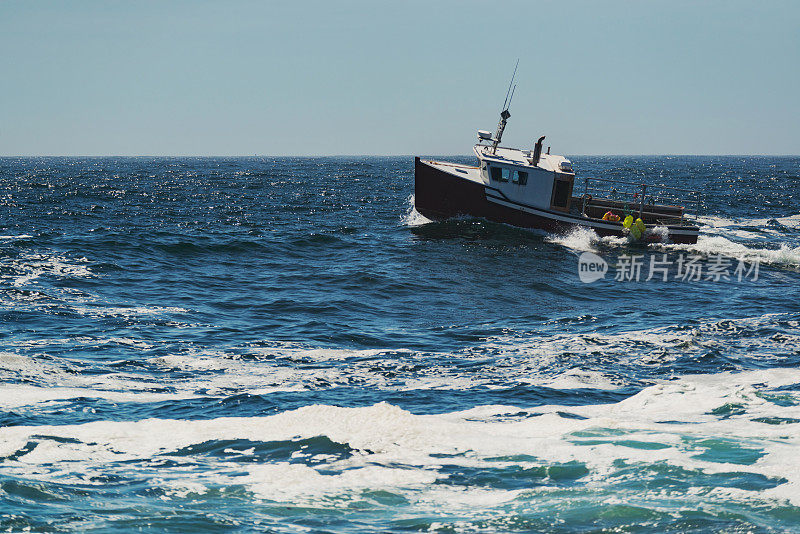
[399, 77]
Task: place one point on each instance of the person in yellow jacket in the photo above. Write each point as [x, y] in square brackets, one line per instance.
[637, 228]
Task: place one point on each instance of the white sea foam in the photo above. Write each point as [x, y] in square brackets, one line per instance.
[790, 221]
[580, 379]
[579, 238]
[715, 221]
[585, 239]
[19, 395]
[288, 482]
[713, 245]
[180, 488]
[517, 358]
[133, 311]
[779, 244]
[714, 240]
[28, 267]
[412, 216]
[673, 422]
[653, 346]
[21, 236]
[658, 234]
[20, 363]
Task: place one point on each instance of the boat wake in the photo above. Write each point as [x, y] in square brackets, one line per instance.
[774, 241]
[790, 221]
[753, 239]
[580, 239]
[782, 256]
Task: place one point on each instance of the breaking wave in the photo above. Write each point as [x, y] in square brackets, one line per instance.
[699, 427]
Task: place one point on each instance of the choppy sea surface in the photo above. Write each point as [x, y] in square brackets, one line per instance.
[284, 344]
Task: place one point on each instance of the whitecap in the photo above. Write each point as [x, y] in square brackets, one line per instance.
[669, 422]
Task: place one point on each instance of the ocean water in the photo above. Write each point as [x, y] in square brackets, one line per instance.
[285, 345]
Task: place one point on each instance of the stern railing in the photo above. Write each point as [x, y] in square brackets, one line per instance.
[637, 197]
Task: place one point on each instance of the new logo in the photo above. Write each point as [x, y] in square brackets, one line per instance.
[591, 267]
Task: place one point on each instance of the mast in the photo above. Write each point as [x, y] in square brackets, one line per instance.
[504, 115]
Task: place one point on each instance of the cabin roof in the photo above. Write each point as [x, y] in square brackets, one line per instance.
[515, 156]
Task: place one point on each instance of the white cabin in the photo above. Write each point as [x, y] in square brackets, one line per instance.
[527, 176]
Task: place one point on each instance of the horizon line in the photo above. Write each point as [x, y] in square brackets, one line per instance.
[359, 155]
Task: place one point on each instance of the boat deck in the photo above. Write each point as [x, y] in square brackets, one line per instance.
[470, 172]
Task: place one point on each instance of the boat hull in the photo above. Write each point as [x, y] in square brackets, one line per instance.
[440, 195]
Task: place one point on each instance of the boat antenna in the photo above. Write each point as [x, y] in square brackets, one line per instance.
[510, 91]
[504, 114]
[512, 96]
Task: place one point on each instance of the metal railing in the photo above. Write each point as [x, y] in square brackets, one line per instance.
[636, 197]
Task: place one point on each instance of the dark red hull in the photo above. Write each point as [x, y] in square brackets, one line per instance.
[439, 195]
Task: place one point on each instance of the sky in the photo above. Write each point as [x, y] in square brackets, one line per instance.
[307, 77]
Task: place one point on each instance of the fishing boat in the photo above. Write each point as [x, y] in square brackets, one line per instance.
[536, 189]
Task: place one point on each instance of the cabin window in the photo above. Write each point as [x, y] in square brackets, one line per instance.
[495, 173]
[520, 177]
[506, 175]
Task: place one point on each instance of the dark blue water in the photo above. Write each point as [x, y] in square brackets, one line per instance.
[283, 344]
